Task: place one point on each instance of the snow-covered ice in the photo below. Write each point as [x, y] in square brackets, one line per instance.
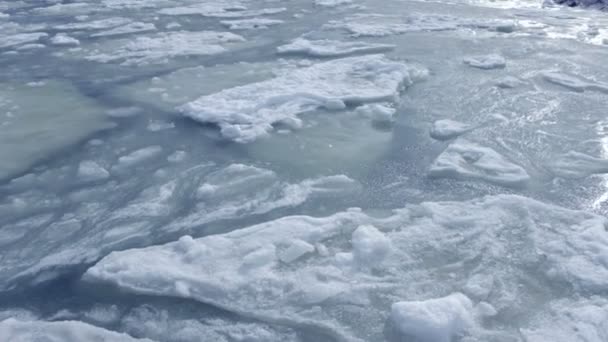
[466, 160]
[492, 61]
[315, 170]
[447, 129]
[330, 48]
[248, 24]
[248, 112]
[434, 320]
[64, 331]
[243, 271]
[160, 47]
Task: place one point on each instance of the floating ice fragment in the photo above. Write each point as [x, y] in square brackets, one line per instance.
[574, 83]
[332, 3]
[247, 112]
[62, 39]
[331, 48]
[466, 160]
[249, 24]
[577, 165]
[434, 320]
[64, 331]
[139, 156]
[89, 171]
[157, 48]
[370, 246]
[487, 62]
[447, 129]
[240, 271]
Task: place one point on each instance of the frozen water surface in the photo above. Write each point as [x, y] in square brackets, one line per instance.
[303, 170]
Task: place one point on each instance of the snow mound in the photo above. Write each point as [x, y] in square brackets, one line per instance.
[65, 331]
[434, 320]
[248, 112]
[447, 129]
[487, 62]
[160, 47]
[465, 160]
[271, 272]
[330, 48]
[577, 165]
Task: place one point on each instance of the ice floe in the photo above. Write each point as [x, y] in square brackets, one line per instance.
[447, 129]
[160, 47]
[574, 83]
[571, 321]
[247, 112]
[466, 160]
[434, 320]
[134, 27]
[42, 121]
[61, 39]
[249, 24]
[12, 40]
[89, 170]
[202, 195]
[330, 48]
[270, 271]
[380, 25]
[221, 9]
[64, 331]
[577, 165]
[487, 62]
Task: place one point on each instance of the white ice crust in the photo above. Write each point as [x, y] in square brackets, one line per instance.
[248, 112]
[466, 160]
[270, 271]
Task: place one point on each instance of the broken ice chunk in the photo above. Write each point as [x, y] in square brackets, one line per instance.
[434, 320]
[487, 62]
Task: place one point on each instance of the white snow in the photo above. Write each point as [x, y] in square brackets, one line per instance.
[434, 320]
[466, 160]
[486, 62]
[64, 331]
[330, 48]
[247, 112]
[447, 129]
